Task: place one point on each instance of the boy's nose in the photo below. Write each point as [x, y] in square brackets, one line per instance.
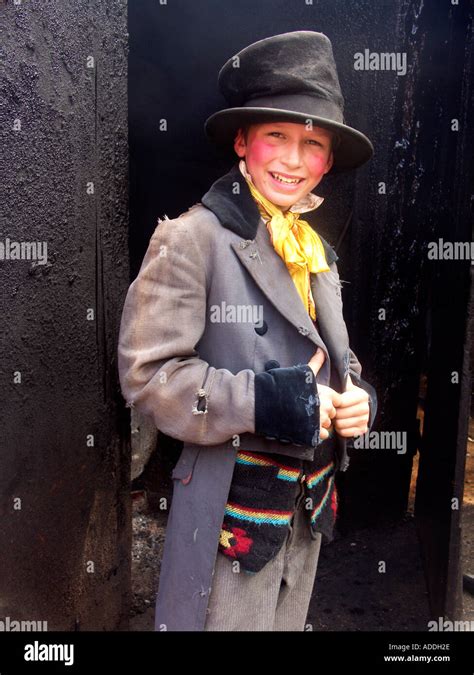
[292, 155]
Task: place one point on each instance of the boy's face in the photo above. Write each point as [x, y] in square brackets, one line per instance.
[289, 150]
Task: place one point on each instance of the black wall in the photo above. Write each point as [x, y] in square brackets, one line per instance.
[65, 536]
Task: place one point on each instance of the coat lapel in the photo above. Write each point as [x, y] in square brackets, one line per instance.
[272, 277]
[327, 296]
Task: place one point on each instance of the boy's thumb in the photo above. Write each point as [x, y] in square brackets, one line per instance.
[336, 399]
[317, 360]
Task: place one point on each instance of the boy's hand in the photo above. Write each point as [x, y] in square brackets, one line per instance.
[329, 399]
[352, 414]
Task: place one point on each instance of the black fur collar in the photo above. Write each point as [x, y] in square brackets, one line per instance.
[237, 210]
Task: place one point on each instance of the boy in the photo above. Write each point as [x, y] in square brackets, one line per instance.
[233, 340]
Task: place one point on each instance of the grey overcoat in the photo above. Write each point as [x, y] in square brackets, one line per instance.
[212, 305]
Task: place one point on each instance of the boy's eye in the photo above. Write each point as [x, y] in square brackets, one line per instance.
[278, 134]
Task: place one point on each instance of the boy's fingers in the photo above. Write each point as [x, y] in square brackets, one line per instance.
[352, 411]
[353, 397]
[352, 423]
[350, 433]
[330, 411]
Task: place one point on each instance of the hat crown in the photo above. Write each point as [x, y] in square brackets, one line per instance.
[299, 62]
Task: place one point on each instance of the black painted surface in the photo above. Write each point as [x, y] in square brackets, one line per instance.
[74, 497]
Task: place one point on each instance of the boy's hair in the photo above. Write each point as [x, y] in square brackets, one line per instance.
[335, 138]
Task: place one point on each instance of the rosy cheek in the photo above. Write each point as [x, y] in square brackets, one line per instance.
[317, 164]
[260, 152]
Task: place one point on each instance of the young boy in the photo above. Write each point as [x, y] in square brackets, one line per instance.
[233, 340]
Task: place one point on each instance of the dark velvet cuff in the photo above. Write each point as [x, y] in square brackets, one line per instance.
[287, 405]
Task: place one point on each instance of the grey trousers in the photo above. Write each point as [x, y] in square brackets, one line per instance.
[276, 598]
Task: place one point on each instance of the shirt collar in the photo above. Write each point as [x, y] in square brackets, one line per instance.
[307, 203]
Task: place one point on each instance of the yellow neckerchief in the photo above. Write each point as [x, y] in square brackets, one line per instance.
[293, 239]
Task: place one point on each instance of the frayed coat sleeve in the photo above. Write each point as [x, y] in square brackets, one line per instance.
[161, 374]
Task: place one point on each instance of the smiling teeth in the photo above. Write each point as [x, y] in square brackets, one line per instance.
[285, 180]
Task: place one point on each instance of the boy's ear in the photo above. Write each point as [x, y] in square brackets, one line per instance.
[330, 162]
[239, 143]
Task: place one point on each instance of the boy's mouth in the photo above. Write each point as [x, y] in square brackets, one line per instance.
[285, 180]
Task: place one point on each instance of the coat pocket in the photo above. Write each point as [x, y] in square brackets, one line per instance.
[256, 472]
[184, 467]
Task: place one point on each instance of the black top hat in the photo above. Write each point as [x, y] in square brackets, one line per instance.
[290, 77]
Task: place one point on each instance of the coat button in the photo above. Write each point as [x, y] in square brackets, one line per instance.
[261, 330]
[271, 364]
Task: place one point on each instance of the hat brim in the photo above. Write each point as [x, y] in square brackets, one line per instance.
[354, 149]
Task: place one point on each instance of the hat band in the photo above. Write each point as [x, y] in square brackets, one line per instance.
[313, 106]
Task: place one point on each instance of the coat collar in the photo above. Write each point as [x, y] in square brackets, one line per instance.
[230, 200]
